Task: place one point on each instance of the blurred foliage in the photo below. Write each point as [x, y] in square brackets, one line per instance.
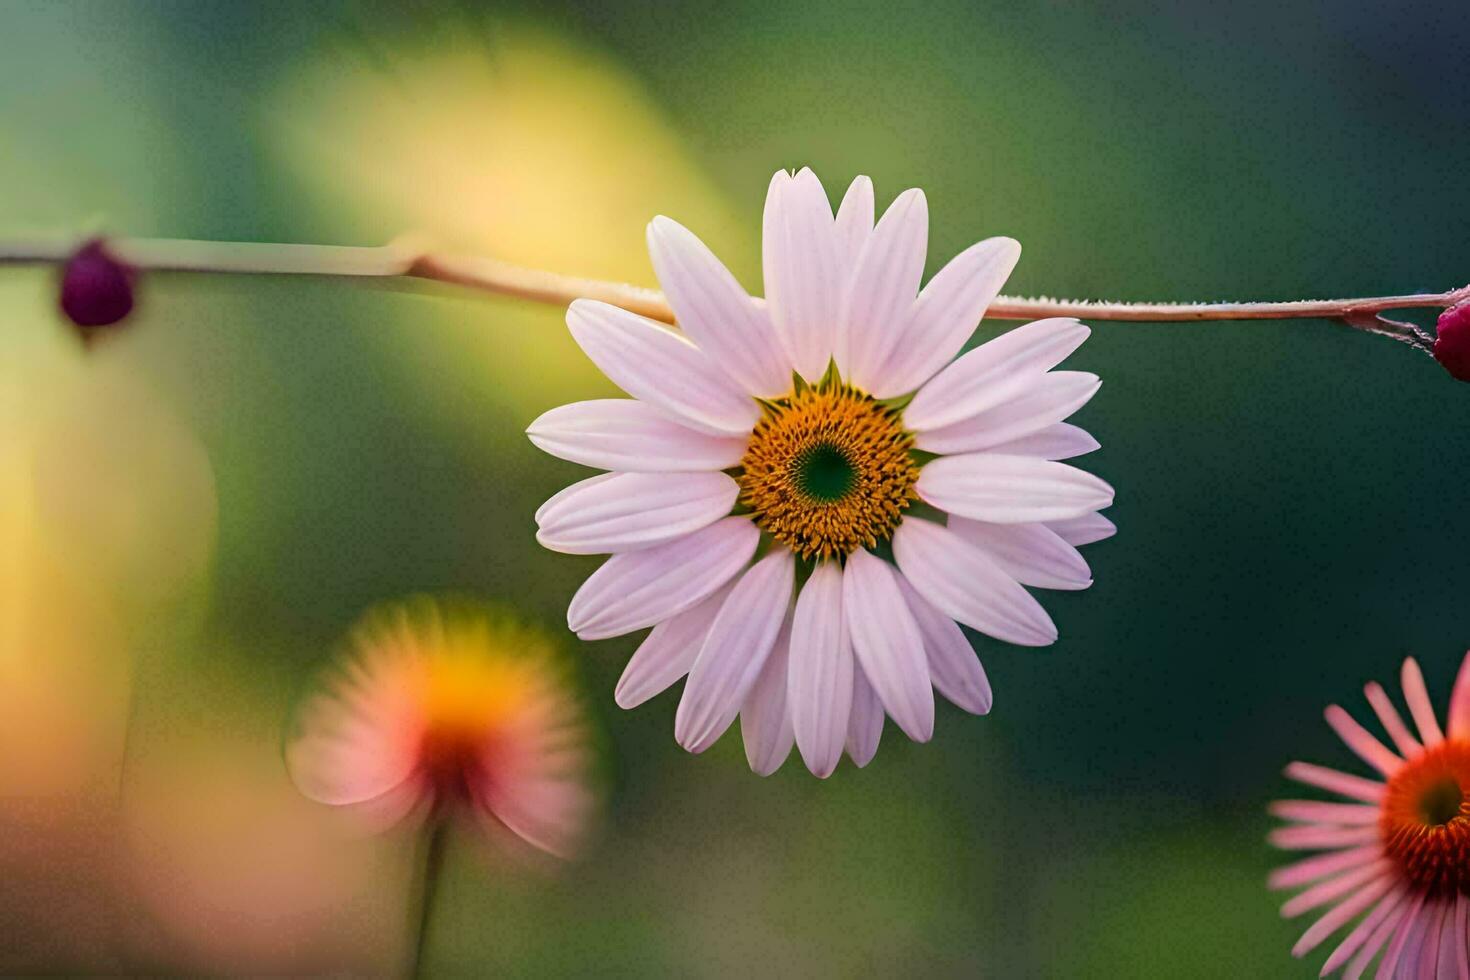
[197, 510]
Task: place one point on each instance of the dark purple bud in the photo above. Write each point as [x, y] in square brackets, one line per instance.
[1452, 340]
[96, 289]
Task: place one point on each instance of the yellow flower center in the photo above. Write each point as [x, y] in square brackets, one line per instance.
[828, 470]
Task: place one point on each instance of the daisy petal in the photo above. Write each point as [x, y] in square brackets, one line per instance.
[1417, 696]
[888, 644]
[1357, 738]
[803, 273]
[820, 680]
[1032, 554]
[627, 511]
[1060, 440]
[865, 724]
[1316, 811]
[1323, 892]
[1087, 529]
[717, 314]
[1398, 912]
[639, 588]
[659, 366]
[995, 372]
[1320, 866]
[953, 665]
[962, 582]
[1459, 718]
[882, 289]
[1049, 399]
[947, 313]
[627, 435]
[765, 722]
[1340, 915]
[667, 653]
[1353, 787]
[734, 652]
[854, 223]
[1010, 489]
[1308, 837]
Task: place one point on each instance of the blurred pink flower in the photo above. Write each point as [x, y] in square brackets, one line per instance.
[1399, 851]
[438, 710]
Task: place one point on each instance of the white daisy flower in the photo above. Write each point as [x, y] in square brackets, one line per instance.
[808, 493]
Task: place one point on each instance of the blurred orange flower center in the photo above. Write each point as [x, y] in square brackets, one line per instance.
[828, 471]
[1426, 819]
[467, 701]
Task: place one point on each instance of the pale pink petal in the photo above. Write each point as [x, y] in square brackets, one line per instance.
[854, 223]
[1434, 928]
[1375, 942]
[1460, 931]
[739, 641]
[765, 719]
[1355, 787]
[358, 738]
[667, 653]
[661, 367]
[1084, 530]
[1315, 811]
[637, 589]
[405, 806]
[888, 643]
[1334, 888]
[549, 811]
[627, 511]
[1460, 702]
[1032, 554]
[1049, 399]
[820, 681]
[1060, 440]
[1402, 945]
[1337, 917]
[946, 314]
[963, 583]
[804, 274]
[953, 666]
[1419, 705]
[1321, 865]
[865, 724]
[717, 314]
[1364, 745]
[1408, 746]
[1311, 837]
[881, 290]
[1355, 939]
[994, 372]
[1010, 489]
[631, 436]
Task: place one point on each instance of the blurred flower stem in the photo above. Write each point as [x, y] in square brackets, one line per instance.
[407, 258]
[434, 845]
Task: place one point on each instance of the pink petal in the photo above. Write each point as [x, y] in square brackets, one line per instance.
[1345, 949]
[1354, 787]
[1408, 746]
[1032, 554]
[1367, 748]
[1419, 705]
[854, 223]
[821, 671]
[626, 511]
[739, 641]
[953, 665]
[765, 718]
[881, 290]
[888, 644]
[1339, 916]
[1315, 811]
[1460, 702]
[716, 312]
[661, 367]
[865, 724]
[804, 275]
[637, 589]
[1051, 398]
[667, 653]
[1061, 440]
[1321, 865]
[1010, 489]
[1310, 837]
[627, 435]
[946, 314]
[1333, 888]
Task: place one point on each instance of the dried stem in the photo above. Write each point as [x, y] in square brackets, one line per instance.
[405, 260]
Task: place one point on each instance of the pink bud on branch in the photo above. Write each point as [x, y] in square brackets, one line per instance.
[96, 289]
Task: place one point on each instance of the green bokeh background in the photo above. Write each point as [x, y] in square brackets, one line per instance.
[1291, 497]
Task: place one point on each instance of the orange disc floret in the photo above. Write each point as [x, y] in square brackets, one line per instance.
[1426, 819]
[828, 470]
